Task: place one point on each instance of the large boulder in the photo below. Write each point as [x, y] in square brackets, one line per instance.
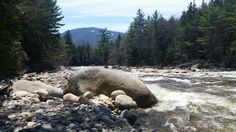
[105, 81]
[36, 87]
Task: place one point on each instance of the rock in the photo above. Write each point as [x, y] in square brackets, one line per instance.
[35, 86]
[3, 115]
[125, 102]
[43, 95]
[116, 93]
[83, 100]
[31, 124]
[103, 97]
[17, 129]
[94, 129]
[39, 111]
[105, 81]
[106, 100]
[25, 114]
[97, 102]
[88, 95]
[19, 94]
[11, 116]
[71, 97]
[42, 117]
[72, 125]
[130, 115]
[36, 100]
[47, 126]
[41, 92]
[98, 126]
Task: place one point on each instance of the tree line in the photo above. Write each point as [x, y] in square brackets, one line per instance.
[206, 33]
[30, 40]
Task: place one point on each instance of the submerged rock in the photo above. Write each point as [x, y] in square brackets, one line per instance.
[105, 81]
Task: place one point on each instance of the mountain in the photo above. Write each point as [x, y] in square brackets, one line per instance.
[90, 35]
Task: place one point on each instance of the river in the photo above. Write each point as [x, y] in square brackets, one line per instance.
[190, 100]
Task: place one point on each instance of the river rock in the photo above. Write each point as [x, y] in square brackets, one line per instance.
[83, 100]
[105, 81]
[19, 94]
[34, 86]
[130, 115]
[88, 95]
[125, 102]
[71, 97]
[106, 100]
[116, 93]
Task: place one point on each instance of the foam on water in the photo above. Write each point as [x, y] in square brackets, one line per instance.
[215, 110]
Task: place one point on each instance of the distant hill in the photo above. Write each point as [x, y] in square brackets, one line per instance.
[90, 35]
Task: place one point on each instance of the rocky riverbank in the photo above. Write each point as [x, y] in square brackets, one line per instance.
[189, 100]
[37, 110]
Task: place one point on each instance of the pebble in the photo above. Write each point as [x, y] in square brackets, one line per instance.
[31, 124]
[88, 95]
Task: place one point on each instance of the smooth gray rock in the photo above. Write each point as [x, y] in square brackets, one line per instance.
[88, 95]
[71, 97]
[105, 81]
[34, 86]
[125, 102]
[116, 93]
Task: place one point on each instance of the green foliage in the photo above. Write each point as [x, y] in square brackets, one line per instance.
[29, 38]
[12, 57]
[135, 41]
[40, 38]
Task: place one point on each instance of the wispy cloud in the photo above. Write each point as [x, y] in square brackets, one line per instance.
[76, 12]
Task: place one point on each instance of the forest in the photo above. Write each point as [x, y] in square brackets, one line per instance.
[30, 38]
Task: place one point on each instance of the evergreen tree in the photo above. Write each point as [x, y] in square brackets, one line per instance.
[12, 57]
[71, 49]
[40, 38]
[103, 45]
[68, 38]
[135, 41]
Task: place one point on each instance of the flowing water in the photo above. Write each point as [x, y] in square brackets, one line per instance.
[190, 101]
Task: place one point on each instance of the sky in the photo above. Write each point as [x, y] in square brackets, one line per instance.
[115, 15]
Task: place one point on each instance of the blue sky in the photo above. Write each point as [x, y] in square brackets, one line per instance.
[115, 14]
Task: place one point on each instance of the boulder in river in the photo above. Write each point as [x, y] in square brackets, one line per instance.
[105, 81]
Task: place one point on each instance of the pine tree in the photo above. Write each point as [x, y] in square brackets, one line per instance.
[12, 57]
[40, 37]
[135, 42]
[68, 38]
[103, 45]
